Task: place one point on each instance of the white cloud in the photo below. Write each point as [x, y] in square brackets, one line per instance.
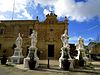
[6, 5]
[2, 17]
[20, 9]
[46, 11]
[79, 11]
[87, 40]
[25, 13]
[45, 2]
[74, 39]
[19, 16]
[64, 7]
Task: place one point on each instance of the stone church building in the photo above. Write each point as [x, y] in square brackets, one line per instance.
[49, 34]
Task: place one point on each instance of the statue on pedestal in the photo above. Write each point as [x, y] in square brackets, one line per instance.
[81, 51]
[81, 43]
[64, 39]
[18, 56]
[65, 59]
[18, 41]
[33, 38]
[32, 51]
[80, 47]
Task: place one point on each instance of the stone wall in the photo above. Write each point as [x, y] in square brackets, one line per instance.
[49, 32]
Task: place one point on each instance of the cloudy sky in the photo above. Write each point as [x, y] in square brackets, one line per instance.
[83, 15]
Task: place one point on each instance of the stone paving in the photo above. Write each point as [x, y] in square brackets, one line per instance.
[54, 67]
[8, 70]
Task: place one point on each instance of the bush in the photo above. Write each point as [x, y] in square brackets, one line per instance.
[66, 64]
[3, 60]
[32, 62]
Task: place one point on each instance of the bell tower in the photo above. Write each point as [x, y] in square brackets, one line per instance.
[51, 18]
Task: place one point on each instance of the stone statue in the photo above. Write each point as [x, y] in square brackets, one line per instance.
[18, 41]
[81, 43]
[79, 46]
[65, 50]
[32, 50]
[81, 51]
[64, 38]
[18, 57]
[33, 38]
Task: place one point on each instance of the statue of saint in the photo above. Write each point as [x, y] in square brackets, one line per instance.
[18, 41]
[81, 43]
[64, 38]
[33, 38]
[80, 48]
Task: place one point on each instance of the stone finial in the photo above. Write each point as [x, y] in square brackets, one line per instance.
[36, 17]
[51, 13]
[66, 18]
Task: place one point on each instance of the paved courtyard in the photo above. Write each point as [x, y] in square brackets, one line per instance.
[43, 70]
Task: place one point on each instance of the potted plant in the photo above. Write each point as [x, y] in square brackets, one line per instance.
[4, 58]
[81, 61]
[32, 62]
[65, 62]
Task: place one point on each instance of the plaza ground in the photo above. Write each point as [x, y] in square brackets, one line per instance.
[43, 70]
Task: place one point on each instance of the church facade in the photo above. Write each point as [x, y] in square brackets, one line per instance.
[48, 38]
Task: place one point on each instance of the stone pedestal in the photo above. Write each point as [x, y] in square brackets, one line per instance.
[81, 52]
[26, 62]
[60, 62]
[85, 58]
[31, 50]
[17, 58]
[63, 56]
[36, 58]
[71, 64]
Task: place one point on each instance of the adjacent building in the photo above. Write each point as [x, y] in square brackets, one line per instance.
[94, 50]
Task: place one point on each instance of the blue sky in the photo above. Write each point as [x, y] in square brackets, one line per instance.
[83, 15]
